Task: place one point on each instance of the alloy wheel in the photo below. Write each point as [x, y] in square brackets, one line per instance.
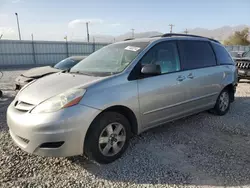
[112, 139]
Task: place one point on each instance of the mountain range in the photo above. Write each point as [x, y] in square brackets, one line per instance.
[220, 34]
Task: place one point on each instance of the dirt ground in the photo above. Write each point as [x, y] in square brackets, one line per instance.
[203, 150]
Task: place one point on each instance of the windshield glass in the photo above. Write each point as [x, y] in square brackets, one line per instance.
[247, 54]
[234, 54]
[111, 59]
[66, 64]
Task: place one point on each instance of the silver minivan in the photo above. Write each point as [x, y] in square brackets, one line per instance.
[122, 89]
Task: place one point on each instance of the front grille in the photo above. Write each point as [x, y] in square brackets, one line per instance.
[243, 65]
[23, 106]
[24, 139]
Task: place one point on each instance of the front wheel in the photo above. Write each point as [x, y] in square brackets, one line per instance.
[222, 104]
[108, 137]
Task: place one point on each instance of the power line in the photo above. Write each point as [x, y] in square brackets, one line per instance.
[171, 27]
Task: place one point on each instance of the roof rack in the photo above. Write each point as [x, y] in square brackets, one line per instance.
[187, 35]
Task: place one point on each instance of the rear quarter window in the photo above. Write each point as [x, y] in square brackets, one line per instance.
[222, 55]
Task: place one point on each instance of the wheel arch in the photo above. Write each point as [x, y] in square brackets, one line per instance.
[128, 113]
[231, 89]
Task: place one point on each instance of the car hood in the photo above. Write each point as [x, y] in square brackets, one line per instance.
[40, 71]
[54, 84]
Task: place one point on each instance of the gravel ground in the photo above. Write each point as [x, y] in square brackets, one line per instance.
[199, 151]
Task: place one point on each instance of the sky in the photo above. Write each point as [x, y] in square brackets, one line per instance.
[54, 19]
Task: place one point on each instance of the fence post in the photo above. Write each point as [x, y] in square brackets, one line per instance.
[67, 48]
[33, 52]
[93, 47]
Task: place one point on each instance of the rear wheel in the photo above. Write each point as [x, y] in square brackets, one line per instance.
[108, 137]
[222, 104]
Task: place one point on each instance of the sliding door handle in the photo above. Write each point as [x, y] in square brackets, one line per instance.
[191, 76]
[180, 78]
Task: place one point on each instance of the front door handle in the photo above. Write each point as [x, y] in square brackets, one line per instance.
[180, 78]
[191, 76]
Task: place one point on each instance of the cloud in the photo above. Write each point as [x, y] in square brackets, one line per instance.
[15, 1]
[6, 30]
[116, 24]
[78, 22]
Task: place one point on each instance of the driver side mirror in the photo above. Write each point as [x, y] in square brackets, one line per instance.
[151, 69]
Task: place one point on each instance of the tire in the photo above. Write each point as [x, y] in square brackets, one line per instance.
[219, 108]
[102, 146]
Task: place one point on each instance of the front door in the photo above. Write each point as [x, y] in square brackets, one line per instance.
[162, 97]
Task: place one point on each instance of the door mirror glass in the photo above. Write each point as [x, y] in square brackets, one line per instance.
[151, 69]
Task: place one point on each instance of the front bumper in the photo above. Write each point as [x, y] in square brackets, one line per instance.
[40, 133]
[244, 73]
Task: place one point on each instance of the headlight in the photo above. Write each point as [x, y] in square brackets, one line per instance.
[64, 100]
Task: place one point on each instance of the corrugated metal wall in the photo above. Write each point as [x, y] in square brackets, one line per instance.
[18, 53]
[237, 48]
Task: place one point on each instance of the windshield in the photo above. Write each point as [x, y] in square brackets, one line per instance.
[111, 59]
[234, 54]
[247, 54]
[66, 64]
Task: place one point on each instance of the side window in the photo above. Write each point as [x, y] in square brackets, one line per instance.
[164, 54]
[196, 54]
[222, 55]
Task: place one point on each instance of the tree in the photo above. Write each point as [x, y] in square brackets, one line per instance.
[238, 38]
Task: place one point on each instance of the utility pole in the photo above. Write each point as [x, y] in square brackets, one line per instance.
[66, 38]
[1, 36]
[133, 33]
[186, 31]
[171, 27]
[87, 26]
[18, 26]
[32, 36]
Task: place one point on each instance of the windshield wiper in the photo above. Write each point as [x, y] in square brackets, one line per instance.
[82, 73]
[95, 74]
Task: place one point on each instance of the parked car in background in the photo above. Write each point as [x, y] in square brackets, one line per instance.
[243, 65]
[122, 89]
[39, 72]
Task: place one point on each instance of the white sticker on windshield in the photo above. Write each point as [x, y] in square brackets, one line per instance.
[132, 48]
